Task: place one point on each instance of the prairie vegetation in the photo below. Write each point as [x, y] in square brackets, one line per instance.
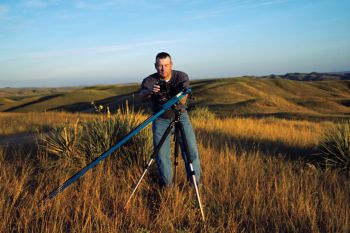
[259, 142]
[15, 123]
[258, 176]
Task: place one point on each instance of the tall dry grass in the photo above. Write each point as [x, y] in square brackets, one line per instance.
[253, 181]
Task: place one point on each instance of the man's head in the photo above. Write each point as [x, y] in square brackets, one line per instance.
[164, 65]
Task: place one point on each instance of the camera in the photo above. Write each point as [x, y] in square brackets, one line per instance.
[165, 91]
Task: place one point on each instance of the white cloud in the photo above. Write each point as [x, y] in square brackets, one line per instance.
[4, 10]
[40, 3]
[96, 50]
[227, 6]
[254, 4]
[204, 14]
[272, 2]
[95, 4]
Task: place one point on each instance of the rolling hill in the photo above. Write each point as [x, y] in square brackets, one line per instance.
[314, 76]
[245, 96]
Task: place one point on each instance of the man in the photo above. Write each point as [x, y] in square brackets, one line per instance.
[150, 89]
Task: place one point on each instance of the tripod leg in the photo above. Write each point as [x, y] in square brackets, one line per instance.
[189, 161]
[176, 151]
[165, 135]
[138, 182]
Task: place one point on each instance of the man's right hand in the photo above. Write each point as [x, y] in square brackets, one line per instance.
[156, 88]
[146, 94]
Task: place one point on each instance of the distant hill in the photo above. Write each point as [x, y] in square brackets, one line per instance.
[314, 76]
[62, 99]
[287, 97]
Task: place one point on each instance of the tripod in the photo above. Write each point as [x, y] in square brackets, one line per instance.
[179, 132]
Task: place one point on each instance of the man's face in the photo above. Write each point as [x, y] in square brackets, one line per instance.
[164, 67]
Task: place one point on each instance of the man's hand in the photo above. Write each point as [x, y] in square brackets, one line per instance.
[184, 100]
[156, 88]
[146, 95]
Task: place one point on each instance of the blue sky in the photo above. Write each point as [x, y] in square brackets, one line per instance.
[87, 42]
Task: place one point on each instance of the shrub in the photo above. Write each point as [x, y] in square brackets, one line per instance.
[62, 141]
[83, 142]
[335, 147]
[101, 134]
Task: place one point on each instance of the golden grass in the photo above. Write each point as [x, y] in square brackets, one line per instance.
[13, 123]
[246, 187]
[299, 134]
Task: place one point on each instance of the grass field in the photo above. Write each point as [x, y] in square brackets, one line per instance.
[257, 177]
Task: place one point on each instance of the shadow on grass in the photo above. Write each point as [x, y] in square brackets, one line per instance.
[224, 110]
[298, 116]
[113, 103]
[230, 110]
[220, 141]
[42, 99]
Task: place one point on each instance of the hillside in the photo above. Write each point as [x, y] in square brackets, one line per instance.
[247, 96]
[277, 97]
[61, 99]
[313, 76]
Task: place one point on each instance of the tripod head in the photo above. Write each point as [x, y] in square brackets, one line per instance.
[189, 103]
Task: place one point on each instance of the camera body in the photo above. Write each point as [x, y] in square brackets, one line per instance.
[165, 91]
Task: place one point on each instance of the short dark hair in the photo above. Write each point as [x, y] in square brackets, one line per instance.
[162, 55]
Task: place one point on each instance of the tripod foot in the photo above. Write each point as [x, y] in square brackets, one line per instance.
[126, 207]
